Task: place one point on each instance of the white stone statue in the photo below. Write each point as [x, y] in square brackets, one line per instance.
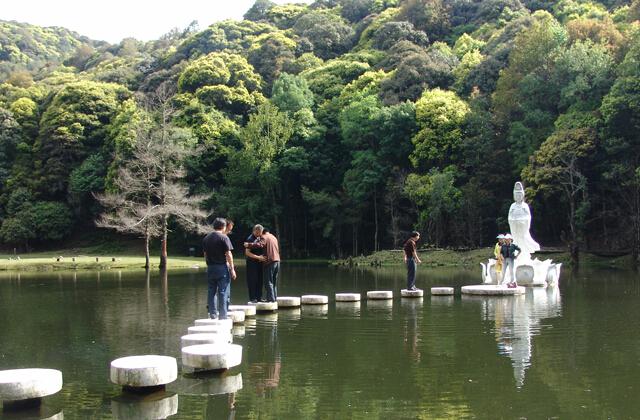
[520, 223]
[528, 272]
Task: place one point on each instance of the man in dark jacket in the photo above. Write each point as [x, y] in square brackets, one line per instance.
[253, 247]
[509, 252]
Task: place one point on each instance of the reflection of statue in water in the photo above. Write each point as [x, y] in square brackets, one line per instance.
[528, 272]
[520, 223]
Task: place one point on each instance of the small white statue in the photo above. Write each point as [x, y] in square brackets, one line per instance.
[520, 223]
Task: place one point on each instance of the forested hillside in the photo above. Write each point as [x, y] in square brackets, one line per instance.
[343, 124]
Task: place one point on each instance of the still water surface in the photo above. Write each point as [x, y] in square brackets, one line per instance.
[570, 352]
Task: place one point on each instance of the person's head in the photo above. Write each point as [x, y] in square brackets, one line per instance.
[257, 230]
[508, 238]
[229, 226]
[500, 239]
[415, 235]
[219, 224]
[518, 192]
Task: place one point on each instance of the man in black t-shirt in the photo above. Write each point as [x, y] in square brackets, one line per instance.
[254, 267]
[220, 269]
[411, 259]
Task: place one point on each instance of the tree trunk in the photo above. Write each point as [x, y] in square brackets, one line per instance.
[375, 215]
[163, 250]
[147, 263]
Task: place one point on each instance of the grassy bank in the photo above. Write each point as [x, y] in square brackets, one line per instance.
[90, 258]
[472, 258]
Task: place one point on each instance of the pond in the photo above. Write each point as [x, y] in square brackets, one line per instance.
[552, 353]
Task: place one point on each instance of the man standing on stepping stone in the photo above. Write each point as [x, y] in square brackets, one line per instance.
[411, 259]
[271, 264]
[220, 268]
[254, 249]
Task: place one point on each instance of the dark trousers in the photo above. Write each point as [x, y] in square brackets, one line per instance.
[270, 279]
[254, 280]
[411, 273]
[219, 286]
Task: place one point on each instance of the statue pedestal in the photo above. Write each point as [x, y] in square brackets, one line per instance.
[528, 272]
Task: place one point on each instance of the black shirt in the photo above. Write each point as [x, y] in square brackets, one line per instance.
[216, 245]
[256, 248]
[509, 251]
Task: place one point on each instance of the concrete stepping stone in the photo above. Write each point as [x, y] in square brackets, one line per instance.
[227, 323]
[492, 290]
[288, 302]
[212, 356]
[205, 338]
[406, 293]
[442, 291]
[249, 310]
[18, 386]
[237, 317]
[266, 306]
[314, 300]
[144, 371]
[159, 405]
[380, 294]
[347, 297]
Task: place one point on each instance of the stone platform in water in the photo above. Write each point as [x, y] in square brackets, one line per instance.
[226, 323]
[158, 405]
[249, 310]
[205, 338]
[144, 371]
[380, 294]
[442, 291]
[492, 290]
[315, 300]
[266, 306]
[28, 384]
[406, 293]
[347, 297]
[212, 356]
[288, 302]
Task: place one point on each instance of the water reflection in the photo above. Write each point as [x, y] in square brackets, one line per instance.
[517, 320]
[411, 331]
[158, 405]
[348, 309]
[316, 311]
[36, 413]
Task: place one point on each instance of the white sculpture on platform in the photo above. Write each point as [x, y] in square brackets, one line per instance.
[529, 272]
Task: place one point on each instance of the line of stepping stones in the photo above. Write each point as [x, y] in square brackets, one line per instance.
[207, 346]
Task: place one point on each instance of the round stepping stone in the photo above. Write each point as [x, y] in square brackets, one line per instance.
[288, 302]
[29, 384]
[211, 329]
[249, 310]
[212, 356]
[442, 291]
[144, 371]
[205, 338]
[347, 297]
[315, 300]
[227, 323]
[405, 293]
[237, 317]
[266, 306]
[159, 405]
[380, 294]
[492, 290]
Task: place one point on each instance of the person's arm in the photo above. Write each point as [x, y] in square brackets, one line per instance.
[232, 269]
[253, 256]
[415, 255]
[516, 248]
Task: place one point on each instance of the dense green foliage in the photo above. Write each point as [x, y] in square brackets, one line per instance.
[344, 124]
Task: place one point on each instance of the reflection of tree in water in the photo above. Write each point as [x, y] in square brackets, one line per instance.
[517, 320]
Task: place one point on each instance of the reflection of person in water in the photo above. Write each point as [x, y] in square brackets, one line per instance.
[411, 336]
[265, 365]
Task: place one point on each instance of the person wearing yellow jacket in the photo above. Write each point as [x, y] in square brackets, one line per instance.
[499, 258]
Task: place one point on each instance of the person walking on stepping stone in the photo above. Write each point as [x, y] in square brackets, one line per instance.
[411, 259]
[220, 269]
[254, 249]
